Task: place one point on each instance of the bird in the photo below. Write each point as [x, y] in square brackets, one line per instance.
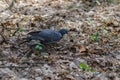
[47, 35]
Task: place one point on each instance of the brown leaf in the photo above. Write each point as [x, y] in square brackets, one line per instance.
[37, 18]
[9, 23]
[82, 48]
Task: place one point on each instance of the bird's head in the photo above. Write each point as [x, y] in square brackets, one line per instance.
[63, 31]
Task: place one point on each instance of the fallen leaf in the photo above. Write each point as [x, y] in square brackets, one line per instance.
[82, 49]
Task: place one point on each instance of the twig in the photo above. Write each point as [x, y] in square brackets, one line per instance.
[3, 36]
[2, 66]
[11, 5]
[3, 28]
[16, 30]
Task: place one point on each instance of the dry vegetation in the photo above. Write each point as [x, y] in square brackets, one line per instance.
[94, 41]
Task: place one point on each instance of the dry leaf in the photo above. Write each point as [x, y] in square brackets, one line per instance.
[82, 49]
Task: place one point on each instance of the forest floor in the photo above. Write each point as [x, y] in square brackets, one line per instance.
[90, 51]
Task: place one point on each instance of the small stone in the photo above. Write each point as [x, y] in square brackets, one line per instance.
[73, 66]
[118, 57]
[38, 70]
[23, 79]
[96, 73]
[25, 73]
[70, 77]
[38, 78]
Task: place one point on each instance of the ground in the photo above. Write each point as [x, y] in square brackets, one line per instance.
[90, 51]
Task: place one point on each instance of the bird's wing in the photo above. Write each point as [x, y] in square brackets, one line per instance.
[50, 35]
[46, 35]
[35, 36]
[56, 36]
[34, 33]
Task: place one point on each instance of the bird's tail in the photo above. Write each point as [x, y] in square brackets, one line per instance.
[32, 37]
[28, 39]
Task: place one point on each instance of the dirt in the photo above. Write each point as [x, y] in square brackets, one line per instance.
[94, 40]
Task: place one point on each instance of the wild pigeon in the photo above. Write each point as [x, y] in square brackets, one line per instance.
[47, 35]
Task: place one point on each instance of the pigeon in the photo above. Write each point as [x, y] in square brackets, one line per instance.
[47, 35]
